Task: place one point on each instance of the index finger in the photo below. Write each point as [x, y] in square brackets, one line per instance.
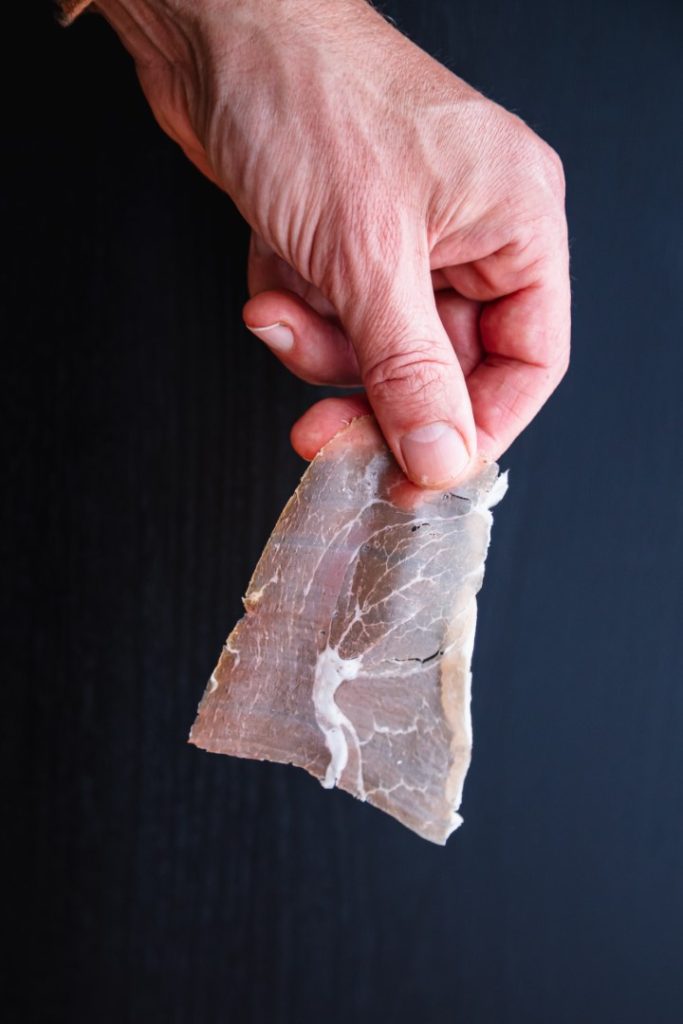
[526, 339]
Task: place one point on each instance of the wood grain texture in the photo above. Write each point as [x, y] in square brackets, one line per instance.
[146, 460]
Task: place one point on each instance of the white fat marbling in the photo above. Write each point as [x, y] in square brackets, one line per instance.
[330, 672]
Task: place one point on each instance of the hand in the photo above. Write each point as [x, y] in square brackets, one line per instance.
[408, 234]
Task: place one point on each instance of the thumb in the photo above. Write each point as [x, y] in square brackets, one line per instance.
[412, 377]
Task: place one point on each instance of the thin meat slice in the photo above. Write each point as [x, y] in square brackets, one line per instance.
[353, 658]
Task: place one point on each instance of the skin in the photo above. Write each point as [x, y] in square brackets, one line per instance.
[408, 234]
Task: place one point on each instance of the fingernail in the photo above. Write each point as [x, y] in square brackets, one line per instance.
[435, 455]
[277, 336]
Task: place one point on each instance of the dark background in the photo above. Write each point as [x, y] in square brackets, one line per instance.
[147, 459]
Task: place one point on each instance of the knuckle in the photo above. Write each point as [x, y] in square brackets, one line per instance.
[553, 170]
[539, 167]
[414, 377]
[562, 364]
[556, 369]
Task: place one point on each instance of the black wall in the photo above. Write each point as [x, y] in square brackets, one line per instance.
[146, 460]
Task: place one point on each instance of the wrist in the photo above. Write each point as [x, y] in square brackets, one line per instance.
[171, 30]
[151, 30]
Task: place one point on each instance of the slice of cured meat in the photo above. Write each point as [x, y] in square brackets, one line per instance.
[353, 658]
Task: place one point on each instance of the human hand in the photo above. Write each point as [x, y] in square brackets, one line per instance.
[408, 234]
